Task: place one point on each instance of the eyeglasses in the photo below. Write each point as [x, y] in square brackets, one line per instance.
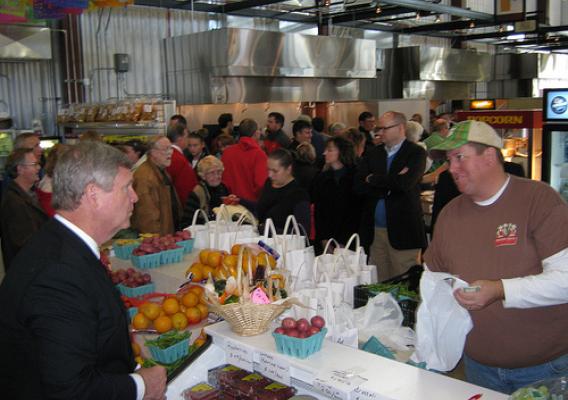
[384, 128]
[31, 164]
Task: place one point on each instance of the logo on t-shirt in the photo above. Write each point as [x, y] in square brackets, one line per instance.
[506, 235]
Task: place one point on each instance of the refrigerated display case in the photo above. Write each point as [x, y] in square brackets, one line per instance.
[555, 139]
[521, 131]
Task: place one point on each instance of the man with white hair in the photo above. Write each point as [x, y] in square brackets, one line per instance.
[507, 237]
[63, 327]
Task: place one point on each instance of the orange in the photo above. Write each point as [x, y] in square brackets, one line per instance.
[221, 273]
[203, 254]
[150, 310]
[193, 315]
[235, 249]
[135, 349]
[140, 321]
[140, 360]
[163, 324]
[214, 258]
[197, 271]
[206, 270]
[199, 342]
[179, 321]
[190, 299]
[170, 305]
[266, 259]
[204, 310]
[230, 261]
[198, 290]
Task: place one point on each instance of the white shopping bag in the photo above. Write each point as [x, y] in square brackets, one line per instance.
[442, 323]
[382, 317]
[224, 233]
[199, 233]
[298, 256]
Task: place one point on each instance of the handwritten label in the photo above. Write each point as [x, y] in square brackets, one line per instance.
[274, 367]
[329, 391]
[365, 394]
[339, 384]
[239, 354]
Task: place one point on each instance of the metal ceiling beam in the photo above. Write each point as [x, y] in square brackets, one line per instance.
[366, 14]
[445, 27]
[440, 9]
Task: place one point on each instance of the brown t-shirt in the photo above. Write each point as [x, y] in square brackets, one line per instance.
[507, 239]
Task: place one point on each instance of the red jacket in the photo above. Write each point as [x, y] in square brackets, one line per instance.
[245, 168]
[183, 176]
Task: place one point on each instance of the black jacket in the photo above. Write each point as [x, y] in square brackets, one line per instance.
[21, 216]
[305, 172]
[278, 204]
[405, 223]
[63, 328]
[337, 208]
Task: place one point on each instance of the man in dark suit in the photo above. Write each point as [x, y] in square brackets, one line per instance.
[63, 328]
[389, 176]
[20, 213]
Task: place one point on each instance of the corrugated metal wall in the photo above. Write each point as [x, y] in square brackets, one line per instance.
[29, 90]
[138, 32]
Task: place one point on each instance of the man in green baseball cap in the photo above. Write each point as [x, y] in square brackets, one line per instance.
[507, 237]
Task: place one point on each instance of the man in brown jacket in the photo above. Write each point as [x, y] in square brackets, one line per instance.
[158, 209]
[20, 213]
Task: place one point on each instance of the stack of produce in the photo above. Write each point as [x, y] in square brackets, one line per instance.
[300, 338]
[220, 265]
[132, 283]
[250, 301]
[174, 312]
[154, 251]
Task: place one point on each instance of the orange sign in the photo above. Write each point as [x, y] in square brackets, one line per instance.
[507, 119]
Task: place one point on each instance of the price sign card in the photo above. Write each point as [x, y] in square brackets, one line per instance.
[361, 393]
[274, 367]
[239, 354]
[338, 384]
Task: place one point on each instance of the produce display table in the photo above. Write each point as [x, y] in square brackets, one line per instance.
[384, 379]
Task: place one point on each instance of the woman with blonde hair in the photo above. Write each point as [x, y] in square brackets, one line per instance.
[209, 192]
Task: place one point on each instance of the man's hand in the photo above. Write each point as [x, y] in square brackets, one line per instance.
[489, 292]
[155, 382]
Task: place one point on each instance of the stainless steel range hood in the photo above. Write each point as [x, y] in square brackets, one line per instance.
[431, 72]
[232, 65]
[26, 43]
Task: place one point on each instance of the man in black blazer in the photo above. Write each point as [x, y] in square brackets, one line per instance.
[63, 328]
[388, 176]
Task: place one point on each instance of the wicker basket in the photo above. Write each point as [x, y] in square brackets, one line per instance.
[249, 319]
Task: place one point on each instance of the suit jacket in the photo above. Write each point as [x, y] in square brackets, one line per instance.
[183, 176]
[20, 218]
[153, 213]
[63, 328]
[405, 223]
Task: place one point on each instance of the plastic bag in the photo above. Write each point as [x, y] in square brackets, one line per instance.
[550, 389]
[382, 318]
[442, 324]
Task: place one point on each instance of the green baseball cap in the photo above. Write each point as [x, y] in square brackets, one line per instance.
[469, 131]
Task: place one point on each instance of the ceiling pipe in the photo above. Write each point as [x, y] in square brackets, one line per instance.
[439, 8]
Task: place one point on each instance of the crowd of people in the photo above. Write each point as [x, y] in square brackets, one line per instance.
[65, 325]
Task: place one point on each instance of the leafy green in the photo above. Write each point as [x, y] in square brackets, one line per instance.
[168, 339]
[170, 368]
[232, 299]
[399, 290]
